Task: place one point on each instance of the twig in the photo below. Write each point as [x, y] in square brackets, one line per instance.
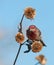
[17, 54]
[20, 30]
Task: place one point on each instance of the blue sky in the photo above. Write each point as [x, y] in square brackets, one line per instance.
[10, 14]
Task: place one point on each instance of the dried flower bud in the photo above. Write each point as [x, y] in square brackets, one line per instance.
[19, 37]
[36, 46]
[33, 33]
[41, 59]
[29, 13]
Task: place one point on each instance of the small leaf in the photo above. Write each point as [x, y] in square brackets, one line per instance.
[43, 43]
[29, 48]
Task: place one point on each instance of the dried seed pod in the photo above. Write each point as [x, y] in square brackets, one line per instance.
[41, 59]
[29, 13]
[19, 37]
[36, 46]
[33, 33]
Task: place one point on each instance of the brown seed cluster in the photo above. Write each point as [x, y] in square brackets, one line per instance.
[33, 33]
[19, 37]
[36, 46]
[41, 59]
[30, 13]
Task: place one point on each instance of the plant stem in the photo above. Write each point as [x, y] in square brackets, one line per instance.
[20, 30]
[21, 23]
[17, 54]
